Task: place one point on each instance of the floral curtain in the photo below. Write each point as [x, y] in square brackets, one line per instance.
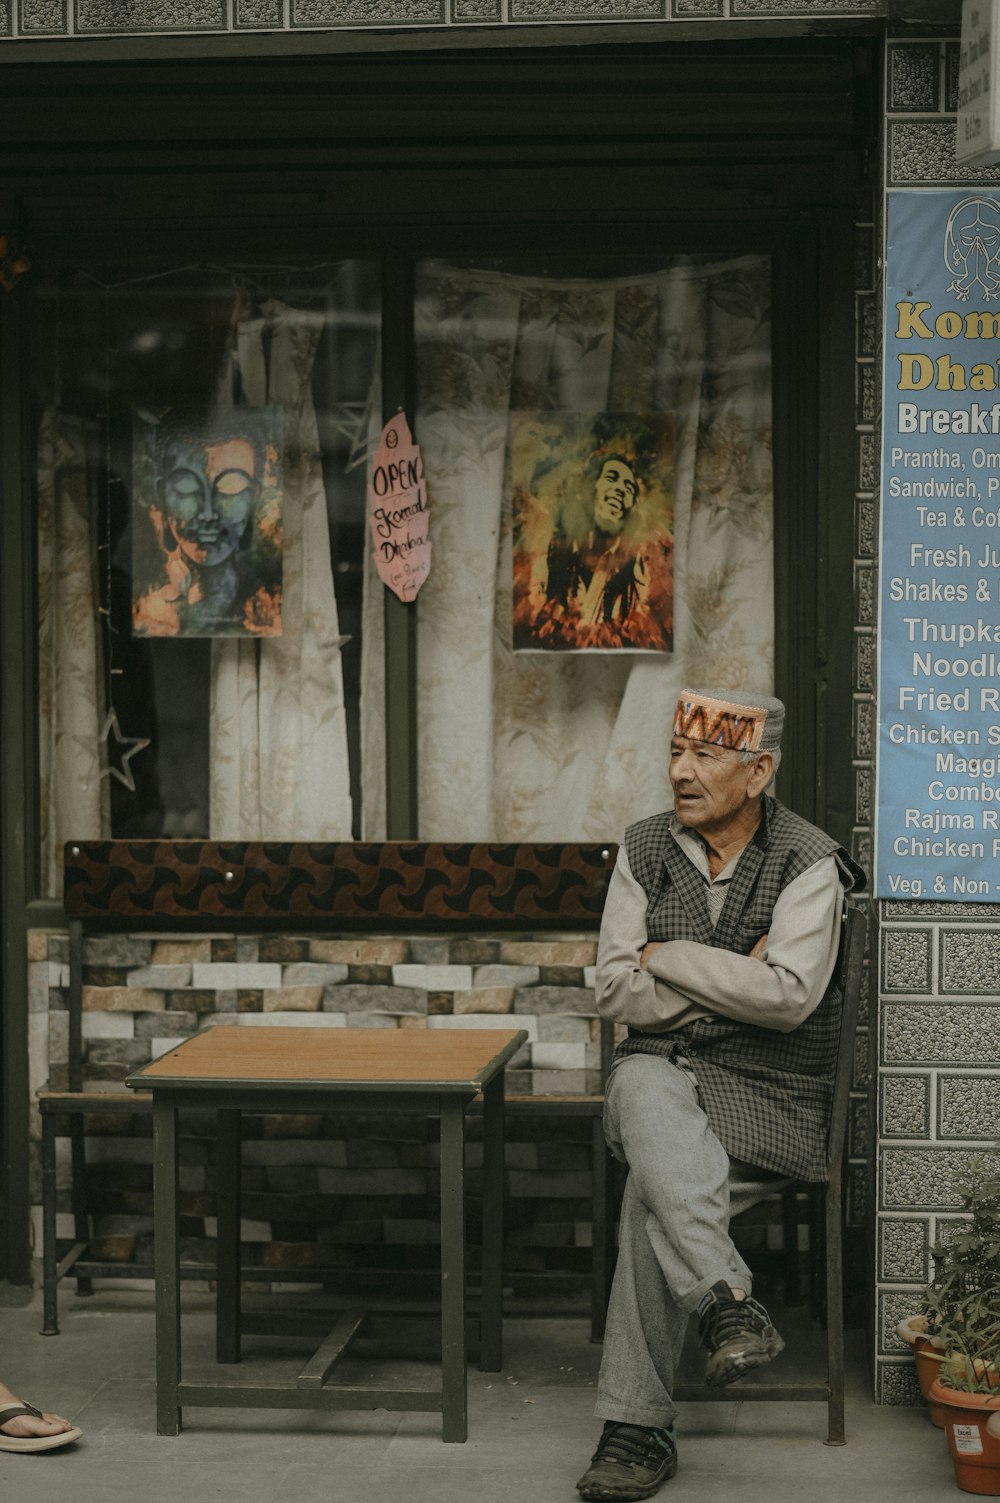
[573, 746]
[74, 795]
[279, 760]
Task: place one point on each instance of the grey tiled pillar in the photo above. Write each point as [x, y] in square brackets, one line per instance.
[939, 964]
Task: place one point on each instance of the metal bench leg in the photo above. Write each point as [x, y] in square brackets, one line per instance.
[81, 1220]
[835, 1312]
[599, 1229]
[77, 1124]
[817, 1249]
[790, 1245]
[50, 1279]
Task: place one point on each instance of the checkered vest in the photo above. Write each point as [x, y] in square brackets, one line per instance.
[767, 1094]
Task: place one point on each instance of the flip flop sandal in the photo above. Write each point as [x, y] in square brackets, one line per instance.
[31, 1442]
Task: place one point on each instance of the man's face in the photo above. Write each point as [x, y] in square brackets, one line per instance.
[614, 495]
[712, 786]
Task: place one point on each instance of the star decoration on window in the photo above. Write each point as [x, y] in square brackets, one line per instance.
[354, 423]
[135, 744]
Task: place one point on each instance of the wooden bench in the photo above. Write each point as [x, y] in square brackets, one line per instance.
[338, 890]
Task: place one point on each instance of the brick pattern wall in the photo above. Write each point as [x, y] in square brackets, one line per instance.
[337, 1191]
[939, 1034]
[25, 19]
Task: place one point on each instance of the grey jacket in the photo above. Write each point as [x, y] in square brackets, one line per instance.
[766, 1093]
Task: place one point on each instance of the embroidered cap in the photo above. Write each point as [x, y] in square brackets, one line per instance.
[725, 719]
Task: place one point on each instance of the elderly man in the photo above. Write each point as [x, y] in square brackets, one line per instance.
[718, 946]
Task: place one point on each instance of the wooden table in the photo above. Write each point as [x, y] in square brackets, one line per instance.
[436, 1072]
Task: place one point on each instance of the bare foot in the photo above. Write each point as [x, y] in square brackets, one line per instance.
[25, 1426]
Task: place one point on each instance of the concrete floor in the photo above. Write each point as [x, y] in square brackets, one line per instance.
[531, 1429]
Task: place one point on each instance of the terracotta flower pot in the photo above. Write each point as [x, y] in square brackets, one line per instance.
[972, 1426]
[928, 1354]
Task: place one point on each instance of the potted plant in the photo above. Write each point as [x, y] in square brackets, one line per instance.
[963, 1304]
[930, 1351]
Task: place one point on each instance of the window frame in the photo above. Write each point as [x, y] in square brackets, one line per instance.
[798, 209]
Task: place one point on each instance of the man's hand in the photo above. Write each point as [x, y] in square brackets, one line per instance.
[757, 953]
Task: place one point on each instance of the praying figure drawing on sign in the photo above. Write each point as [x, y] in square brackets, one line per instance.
[207, 547]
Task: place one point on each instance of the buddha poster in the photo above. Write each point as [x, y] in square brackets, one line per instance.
[207, 524]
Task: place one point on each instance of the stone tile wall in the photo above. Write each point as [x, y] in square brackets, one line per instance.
[938, 1097]
[335, 1191]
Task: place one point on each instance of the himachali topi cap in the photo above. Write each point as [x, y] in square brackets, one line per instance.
[726, 719]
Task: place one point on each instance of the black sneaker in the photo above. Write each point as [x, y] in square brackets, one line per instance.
[737, 1333]
[631, 1461]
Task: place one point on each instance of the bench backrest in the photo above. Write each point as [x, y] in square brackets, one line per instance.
[355, 885]
[336, 889]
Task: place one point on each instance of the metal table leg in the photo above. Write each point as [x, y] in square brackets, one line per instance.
[491, 1311]
[227, 1306]
[454, 1401]
[168, 1309]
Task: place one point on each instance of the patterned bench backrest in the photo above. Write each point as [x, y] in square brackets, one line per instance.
[360, 885]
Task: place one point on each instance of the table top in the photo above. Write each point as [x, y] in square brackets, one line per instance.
[460, 1060]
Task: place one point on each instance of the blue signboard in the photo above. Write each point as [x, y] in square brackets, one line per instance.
[938, 822]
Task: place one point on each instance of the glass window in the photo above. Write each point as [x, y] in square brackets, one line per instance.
[208, 621]
[530, 380]
[201, 442]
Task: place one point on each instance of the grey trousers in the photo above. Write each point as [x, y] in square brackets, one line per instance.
[674, 1239]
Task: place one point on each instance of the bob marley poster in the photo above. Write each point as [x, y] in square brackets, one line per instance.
[592, 500]
[207, 536]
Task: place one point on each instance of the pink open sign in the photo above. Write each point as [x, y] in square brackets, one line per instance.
[397, 510]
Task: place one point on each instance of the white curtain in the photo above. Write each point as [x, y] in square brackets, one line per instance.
[278, 734]
[278, 757]
[574, 746]
[74, 796]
